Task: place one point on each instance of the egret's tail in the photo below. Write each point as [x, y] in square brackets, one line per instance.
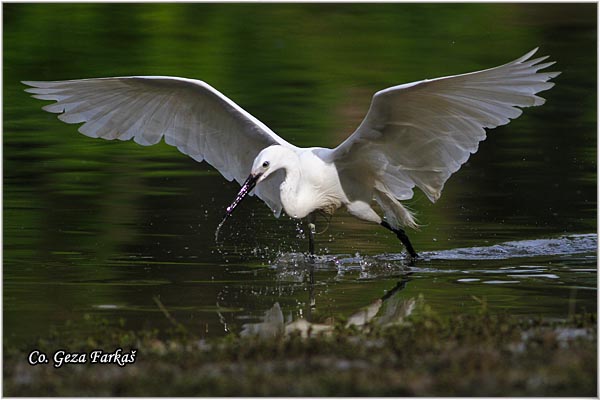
[396, 214]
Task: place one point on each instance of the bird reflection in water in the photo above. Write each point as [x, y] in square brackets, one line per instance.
[390, 309]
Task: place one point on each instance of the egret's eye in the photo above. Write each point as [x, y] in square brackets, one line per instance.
[266, 164]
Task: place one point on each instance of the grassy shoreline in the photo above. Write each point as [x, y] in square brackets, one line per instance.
[426, 355]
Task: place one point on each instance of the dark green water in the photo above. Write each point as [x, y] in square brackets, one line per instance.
[96, 228]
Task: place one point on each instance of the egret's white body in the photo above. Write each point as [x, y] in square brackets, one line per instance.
[311, 181]
[416, 134]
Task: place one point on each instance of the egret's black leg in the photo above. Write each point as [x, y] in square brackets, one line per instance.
[403, 238]
[311, 234]
[311, 268]
[311, 239]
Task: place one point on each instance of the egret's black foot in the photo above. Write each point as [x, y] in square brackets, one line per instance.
[403, 238]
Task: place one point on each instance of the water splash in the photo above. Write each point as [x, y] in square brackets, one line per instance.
[219, 229]
[290, 265]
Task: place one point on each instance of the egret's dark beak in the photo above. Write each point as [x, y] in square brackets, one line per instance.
[246, 188]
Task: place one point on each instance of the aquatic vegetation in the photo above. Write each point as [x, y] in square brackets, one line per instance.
[425, 355]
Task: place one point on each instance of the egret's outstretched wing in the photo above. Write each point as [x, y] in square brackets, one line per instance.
[420, 133]
[190, 114]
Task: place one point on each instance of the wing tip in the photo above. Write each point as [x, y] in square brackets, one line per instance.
[546, 65]
[554, 74]
[538, 101]
[54, 108]
[526, 56]
[37, 84]
[32, 87]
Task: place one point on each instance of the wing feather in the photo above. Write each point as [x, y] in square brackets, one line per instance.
[420, 133]
[189, 114]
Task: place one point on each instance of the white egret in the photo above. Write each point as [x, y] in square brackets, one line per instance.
[416, 134]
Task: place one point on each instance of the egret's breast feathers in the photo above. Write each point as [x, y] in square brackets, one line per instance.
[313, 186]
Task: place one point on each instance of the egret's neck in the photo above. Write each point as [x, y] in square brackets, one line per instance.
[290, 189]
[293, 173]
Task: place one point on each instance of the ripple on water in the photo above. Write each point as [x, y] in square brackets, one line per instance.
[546, 276]
[564, 245]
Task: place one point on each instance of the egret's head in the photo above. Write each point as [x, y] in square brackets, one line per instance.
[269, 160]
